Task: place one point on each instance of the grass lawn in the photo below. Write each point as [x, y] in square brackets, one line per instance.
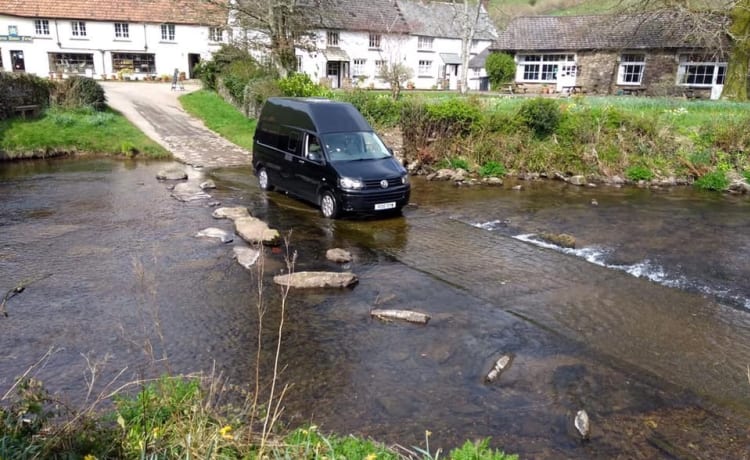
[81, 130]
[220, 117]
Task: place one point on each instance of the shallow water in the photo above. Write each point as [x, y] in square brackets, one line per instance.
[658, 362]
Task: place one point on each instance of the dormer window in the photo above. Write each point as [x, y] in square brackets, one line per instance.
[332, 38]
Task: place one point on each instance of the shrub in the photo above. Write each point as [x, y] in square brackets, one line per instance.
[479, 450]
[746, 174]
[541, 115]
[638, 173]
[300, 85]
[379, 109]
[501, 68]
[22, 89]
[256, 92]
[76, 92]
[715, 180]
[492, 169]
[238, 74]
[454, 116]
[207, 72]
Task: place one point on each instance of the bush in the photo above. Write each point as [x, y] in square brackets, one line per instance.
[746, 174]
[207, 72]
[454, 116]
[78, 92]
[479, 450]
[492, 169]
[541, 115]
[300, 85]
[379, 109]
[22, 89]
[256, 92]
[501, 68]
[715, 180]
[238, 74]
[639, 173]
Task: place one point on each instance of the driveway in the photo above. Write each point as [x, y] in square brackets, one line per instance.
[154, 108]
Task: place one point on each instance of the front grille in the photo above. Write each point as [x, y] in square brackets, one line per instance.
[385, 197]
[375, 184]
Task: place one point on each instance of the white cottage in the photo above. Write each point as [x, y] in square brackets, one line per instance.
[108, 38]
[354, 38]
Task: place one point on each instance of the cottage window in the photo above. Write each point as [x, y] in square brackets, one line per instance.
[78, 28]
[424, 43]
[542, 67]
[425, 68]
[358, 67]
[332, 38]
[299, 63]
[13, 31]
[167, 32]
[215, 34]
[71, 63]
[122, 30]
[379, 64]
[631, 69]
[700, 71]
[41, 26]
[375, 41]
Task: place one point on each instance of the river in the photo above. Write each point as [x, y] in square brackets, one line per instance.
[645, 325]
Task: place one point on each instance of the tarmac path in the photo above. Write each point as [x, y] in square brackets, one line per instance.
[155, 109]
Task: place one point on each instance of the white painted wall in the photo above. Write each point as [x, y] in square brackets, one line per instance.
[100, 41]
[394, 48]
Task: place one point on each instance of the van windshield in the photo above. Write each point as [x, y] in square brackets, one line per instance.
[352, 146]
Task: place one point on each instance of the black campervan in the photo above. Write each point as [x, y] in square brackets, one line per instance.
[326, 153]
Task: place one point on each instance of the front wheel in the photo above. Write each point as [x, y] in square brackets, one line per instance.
[263, 181]
[328, 205]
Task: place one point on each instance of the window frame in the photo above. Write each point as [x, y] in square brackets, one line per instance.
[542, 68]
[216, 34]
[424, 68]
[137, 61]
[701, 65]
[41, 27]
[375, 40]
[168, 32]
[631, 69]
[332, 38]
[425, 43]
[122, 31]
[65, 62]
[78, 29]
[359, 67]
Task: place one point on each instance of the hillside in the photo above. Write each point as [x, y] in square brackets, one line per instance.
[503, 10]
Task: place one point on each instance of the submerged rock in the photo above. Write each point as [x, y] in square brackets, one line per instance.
[582, 424]
[230, 213]
[577, 180]
[560, 239]
[316, 279]
[256, 231]
[493, 181]
[339, 255]
[403, 315]
[188, 192]
[499, 367]
[213, 232]
[246, 256]
[173, 173]
[207, 184]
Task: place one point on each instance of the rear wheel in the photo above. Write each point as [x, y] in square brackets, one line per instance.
[328, 205]
[263, 181]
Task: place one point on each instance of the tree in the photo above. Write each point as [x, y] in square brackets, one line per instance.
[396, 74]
[501, 68]
[714, 23]
[468, 15]
[274, 27]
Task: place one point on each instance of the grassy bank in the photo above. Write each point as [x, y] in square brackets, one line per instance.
[220, 117]
[66, 131]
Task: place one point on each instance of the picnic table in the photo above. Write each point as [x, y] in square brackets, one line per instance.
[572, 89]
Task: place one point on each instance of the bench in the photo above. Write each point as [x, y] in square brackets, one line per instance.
[572, 89]
[24, 110]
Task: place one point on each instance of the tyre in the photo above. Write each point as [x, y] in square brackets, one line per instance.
[263, 181]
[328, 205]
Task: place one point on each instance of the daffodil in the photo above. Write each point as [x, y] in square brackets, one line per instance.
[226, 432]
[371, 457]
[87, 457]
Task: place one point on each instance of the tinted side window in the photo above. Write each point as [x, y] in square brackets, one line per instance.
[267, 134]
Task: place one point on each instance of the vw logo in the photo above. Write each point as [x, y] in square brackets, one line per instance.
[384, 183]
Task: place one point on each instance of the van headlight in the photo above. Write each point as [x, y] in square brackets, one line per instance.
[348, 183]
[405, 179]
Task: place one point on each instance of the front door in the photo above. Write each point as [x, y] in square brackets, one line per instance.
[566, 76]
[333, 72]
[193, 60]
[17, 61]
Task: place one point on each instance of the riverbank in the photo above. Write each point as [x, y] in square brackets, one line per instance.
[62, 132]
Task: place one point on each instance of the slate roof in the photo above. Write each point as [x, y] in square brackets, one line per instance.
[356, 15]
[439, 19]
[148, 11]
[643, 31]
